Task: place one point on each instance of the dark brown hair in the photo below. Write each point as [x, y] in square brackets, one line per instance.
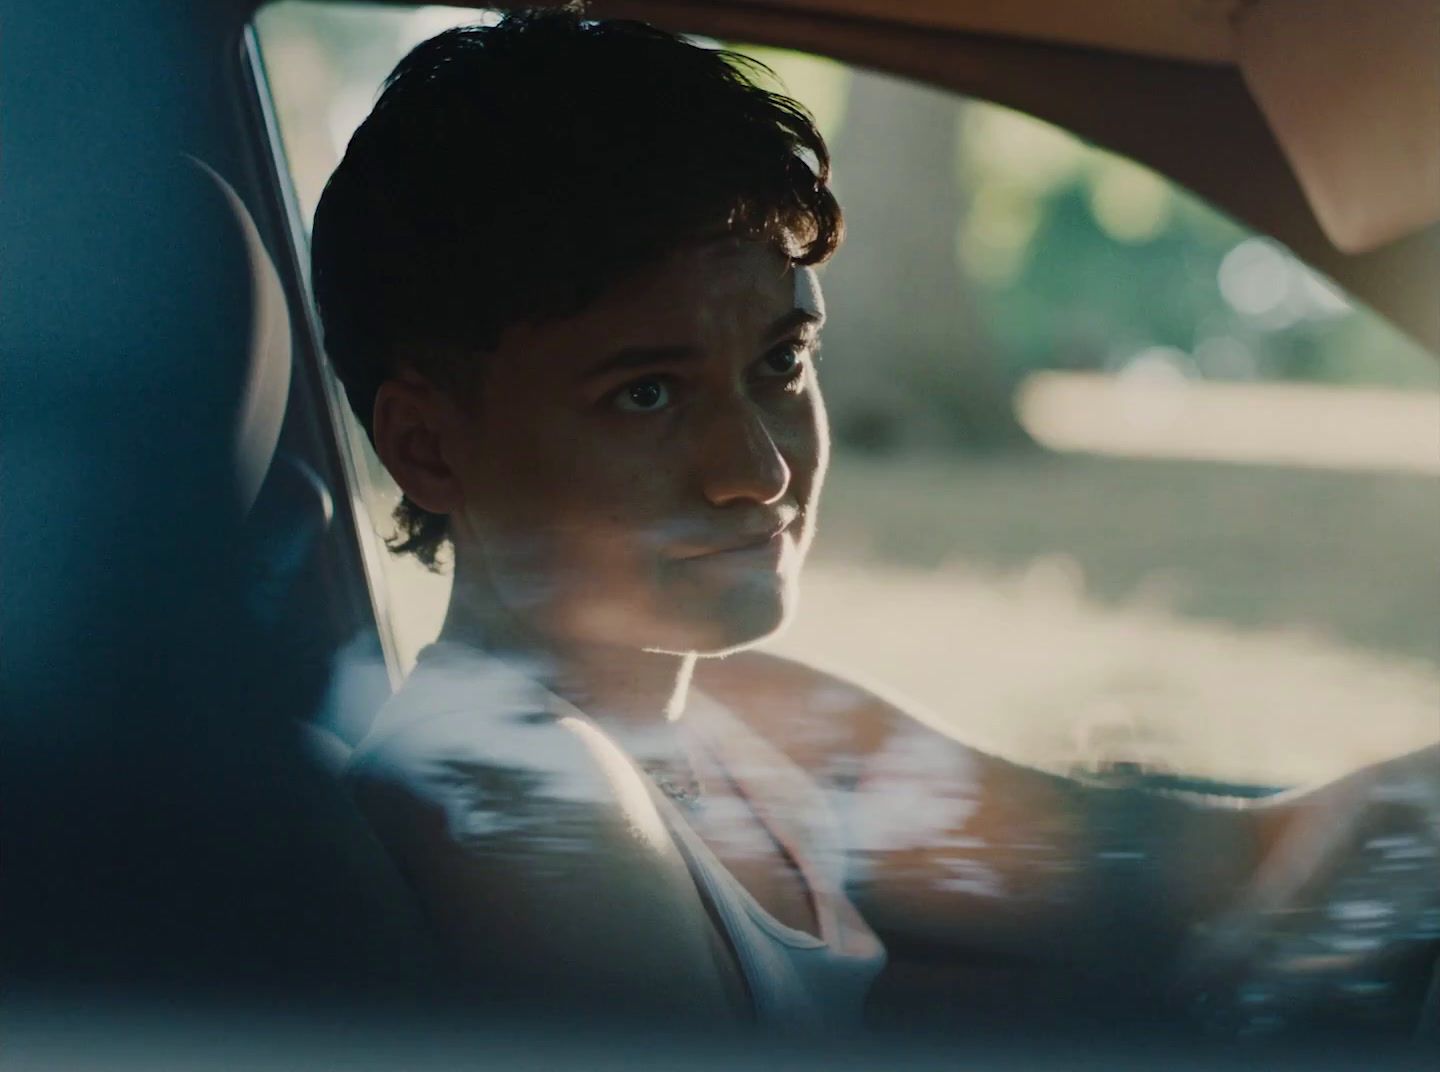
[512, 173]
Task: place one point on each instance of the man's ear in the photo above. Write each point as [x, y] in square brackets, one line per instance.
[410, 425]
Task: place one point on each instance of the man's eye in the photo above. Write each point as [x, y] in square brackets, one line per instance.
[782, 363]
[643, 396]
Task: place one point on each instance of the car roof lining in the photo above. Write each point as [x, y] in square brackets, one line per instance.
[1352, 92]
[1195, 30]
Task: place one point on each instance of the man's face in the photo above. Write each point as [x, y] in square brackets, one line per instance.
[645, 474]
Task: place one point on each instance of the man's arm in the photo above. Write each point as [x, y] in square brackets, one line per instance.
[957, 847]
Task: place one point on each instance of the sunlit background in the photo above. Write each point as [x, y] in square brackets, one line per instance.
[1116, 480]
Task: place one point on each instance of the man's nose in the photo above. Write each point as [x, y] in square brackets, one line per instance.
[739, 460]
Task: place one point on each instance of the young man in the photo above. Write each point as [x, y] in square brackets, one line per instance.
[564, 273]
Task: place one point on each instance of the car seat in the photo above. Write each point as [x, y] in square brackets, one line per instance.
[288, 506]
[288, 515]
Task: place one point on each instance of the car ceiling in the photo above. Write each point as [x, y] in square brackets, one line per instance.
[1197, 30]
[1314, 121]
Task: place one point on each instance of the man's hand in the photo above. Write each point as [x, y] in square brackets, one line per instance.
[1342, 916]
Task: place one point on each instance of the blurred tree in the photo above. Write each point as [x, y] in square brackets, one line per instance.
[907, 362]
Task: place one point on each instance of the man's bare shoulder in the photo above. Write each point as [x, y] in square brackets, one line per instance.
[815, 714]
[538, 854]
[493, 781]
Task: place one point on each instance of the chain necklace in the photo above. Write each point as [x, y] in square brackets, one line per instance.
[683, 788]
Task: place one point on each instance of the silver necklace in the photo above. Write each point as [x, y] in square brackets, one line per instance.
[684, 789]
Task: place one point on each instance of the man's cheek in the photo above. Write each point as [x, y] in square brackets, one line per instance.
[622, 594]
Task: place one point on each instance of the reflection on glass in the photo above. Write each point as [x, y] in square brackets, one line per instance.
[1087, 509]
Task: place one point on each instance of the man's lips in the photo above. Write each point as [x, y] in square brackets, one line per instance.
[767, 543]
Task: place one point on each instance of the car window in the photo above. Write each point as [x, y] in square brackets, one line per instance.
[1117, 483]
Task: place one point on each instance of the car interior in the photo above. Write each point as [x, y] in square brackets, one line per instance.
[196, 619]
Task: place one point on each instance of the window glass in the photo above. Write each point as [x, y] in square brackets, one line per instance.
[1116, 481]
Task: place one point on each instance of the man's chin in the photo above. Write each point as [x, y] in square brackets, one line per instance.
[734, 628]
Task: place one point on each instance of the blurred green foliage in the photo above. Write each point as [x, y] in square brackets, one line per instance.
[1077, 258]
[1083, 260]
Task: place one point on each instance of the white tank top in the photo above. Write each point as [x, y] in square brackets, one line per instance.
[796, 980]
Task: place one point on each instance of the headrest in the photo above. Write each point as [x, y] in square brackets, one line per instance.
[266, 383]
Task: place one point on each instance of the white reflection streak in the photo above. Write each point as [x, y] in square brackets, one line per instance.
[629, 788]
[909, 800]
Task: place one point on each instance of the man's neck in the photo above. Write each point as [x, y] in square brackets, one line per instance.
[625, 689]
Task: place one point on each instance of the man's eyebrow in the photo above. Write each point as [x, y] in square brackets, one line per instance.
[641, 357]
[793, 319]
[638, 357]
